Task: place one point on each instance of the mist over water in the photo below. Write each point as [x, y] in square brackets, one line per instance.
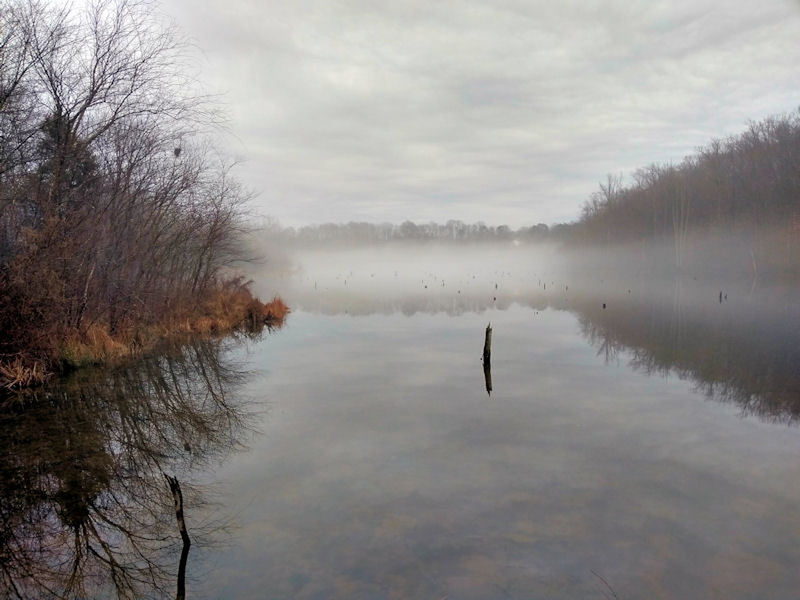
[736, 341]
[639, 429]
[599, 408]
[640, 436]
[430, 278]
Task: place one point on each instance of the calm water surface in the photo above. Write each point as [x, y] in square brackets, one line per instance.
[647, 448]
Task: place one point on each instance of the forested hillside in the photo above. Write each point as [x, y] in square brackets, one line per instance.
[736, 199]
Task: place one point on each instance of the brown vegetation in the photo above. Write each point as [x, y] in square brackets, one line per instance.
[117, 224]
[231, 308]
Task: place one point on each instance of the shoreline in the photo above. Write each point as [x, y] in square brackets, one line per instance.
[225, 311]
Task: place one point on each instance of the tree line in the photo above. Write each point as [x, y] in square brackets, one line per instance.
[746, 186]
[370, 233]
[735, 204]
[115, 211]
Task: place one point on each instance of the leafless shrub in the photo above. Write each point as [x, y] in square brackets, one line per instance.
[113, 210]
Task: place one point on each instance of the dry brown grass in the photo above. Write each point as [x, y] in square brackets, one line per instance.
[272, 313]
[230, 308]
[16, 374]
[95, 345]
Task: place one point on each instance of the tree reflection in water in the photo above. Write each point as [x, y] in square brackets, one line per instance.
[746, 354]
[744, 350]
[85, 509]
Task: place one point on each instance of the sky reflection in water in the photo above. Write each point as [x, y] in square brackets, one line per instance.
[385, 470]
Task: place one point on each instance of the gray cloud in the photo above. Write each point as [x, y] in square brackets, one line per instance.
[497, 111]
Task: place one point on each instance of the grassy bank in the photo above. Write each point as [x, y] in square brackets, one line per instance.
[227, 309]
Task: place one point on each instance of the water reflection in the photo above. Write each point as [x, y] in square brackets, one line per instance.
[85, 508]
[743, 350]
[745, 353]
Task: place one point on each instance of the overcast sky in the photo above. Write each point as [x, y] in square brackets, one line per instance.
[486, 110]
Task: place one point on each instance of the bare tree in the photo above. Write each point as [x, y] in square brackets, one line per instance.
[103, 223]
[745, 186]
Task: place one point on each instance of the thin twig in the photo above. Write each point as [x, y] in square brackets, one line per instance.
[608, 585]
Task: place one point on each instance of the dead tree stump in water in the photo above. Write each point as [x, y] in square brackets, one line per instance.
[487, 376]
[487, 359]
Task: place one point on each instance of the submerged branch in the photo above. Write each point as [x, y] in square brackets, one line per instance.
[177, 495]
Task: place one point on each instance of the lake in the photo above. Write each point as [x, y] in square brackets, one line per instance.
[639, 440]
[647, 447]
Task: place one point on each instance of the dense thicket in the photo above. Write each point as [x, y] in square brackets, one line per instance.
[112, 212]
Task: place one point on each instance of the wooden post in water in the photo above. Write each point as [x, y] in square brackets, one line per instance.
[487, 359]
